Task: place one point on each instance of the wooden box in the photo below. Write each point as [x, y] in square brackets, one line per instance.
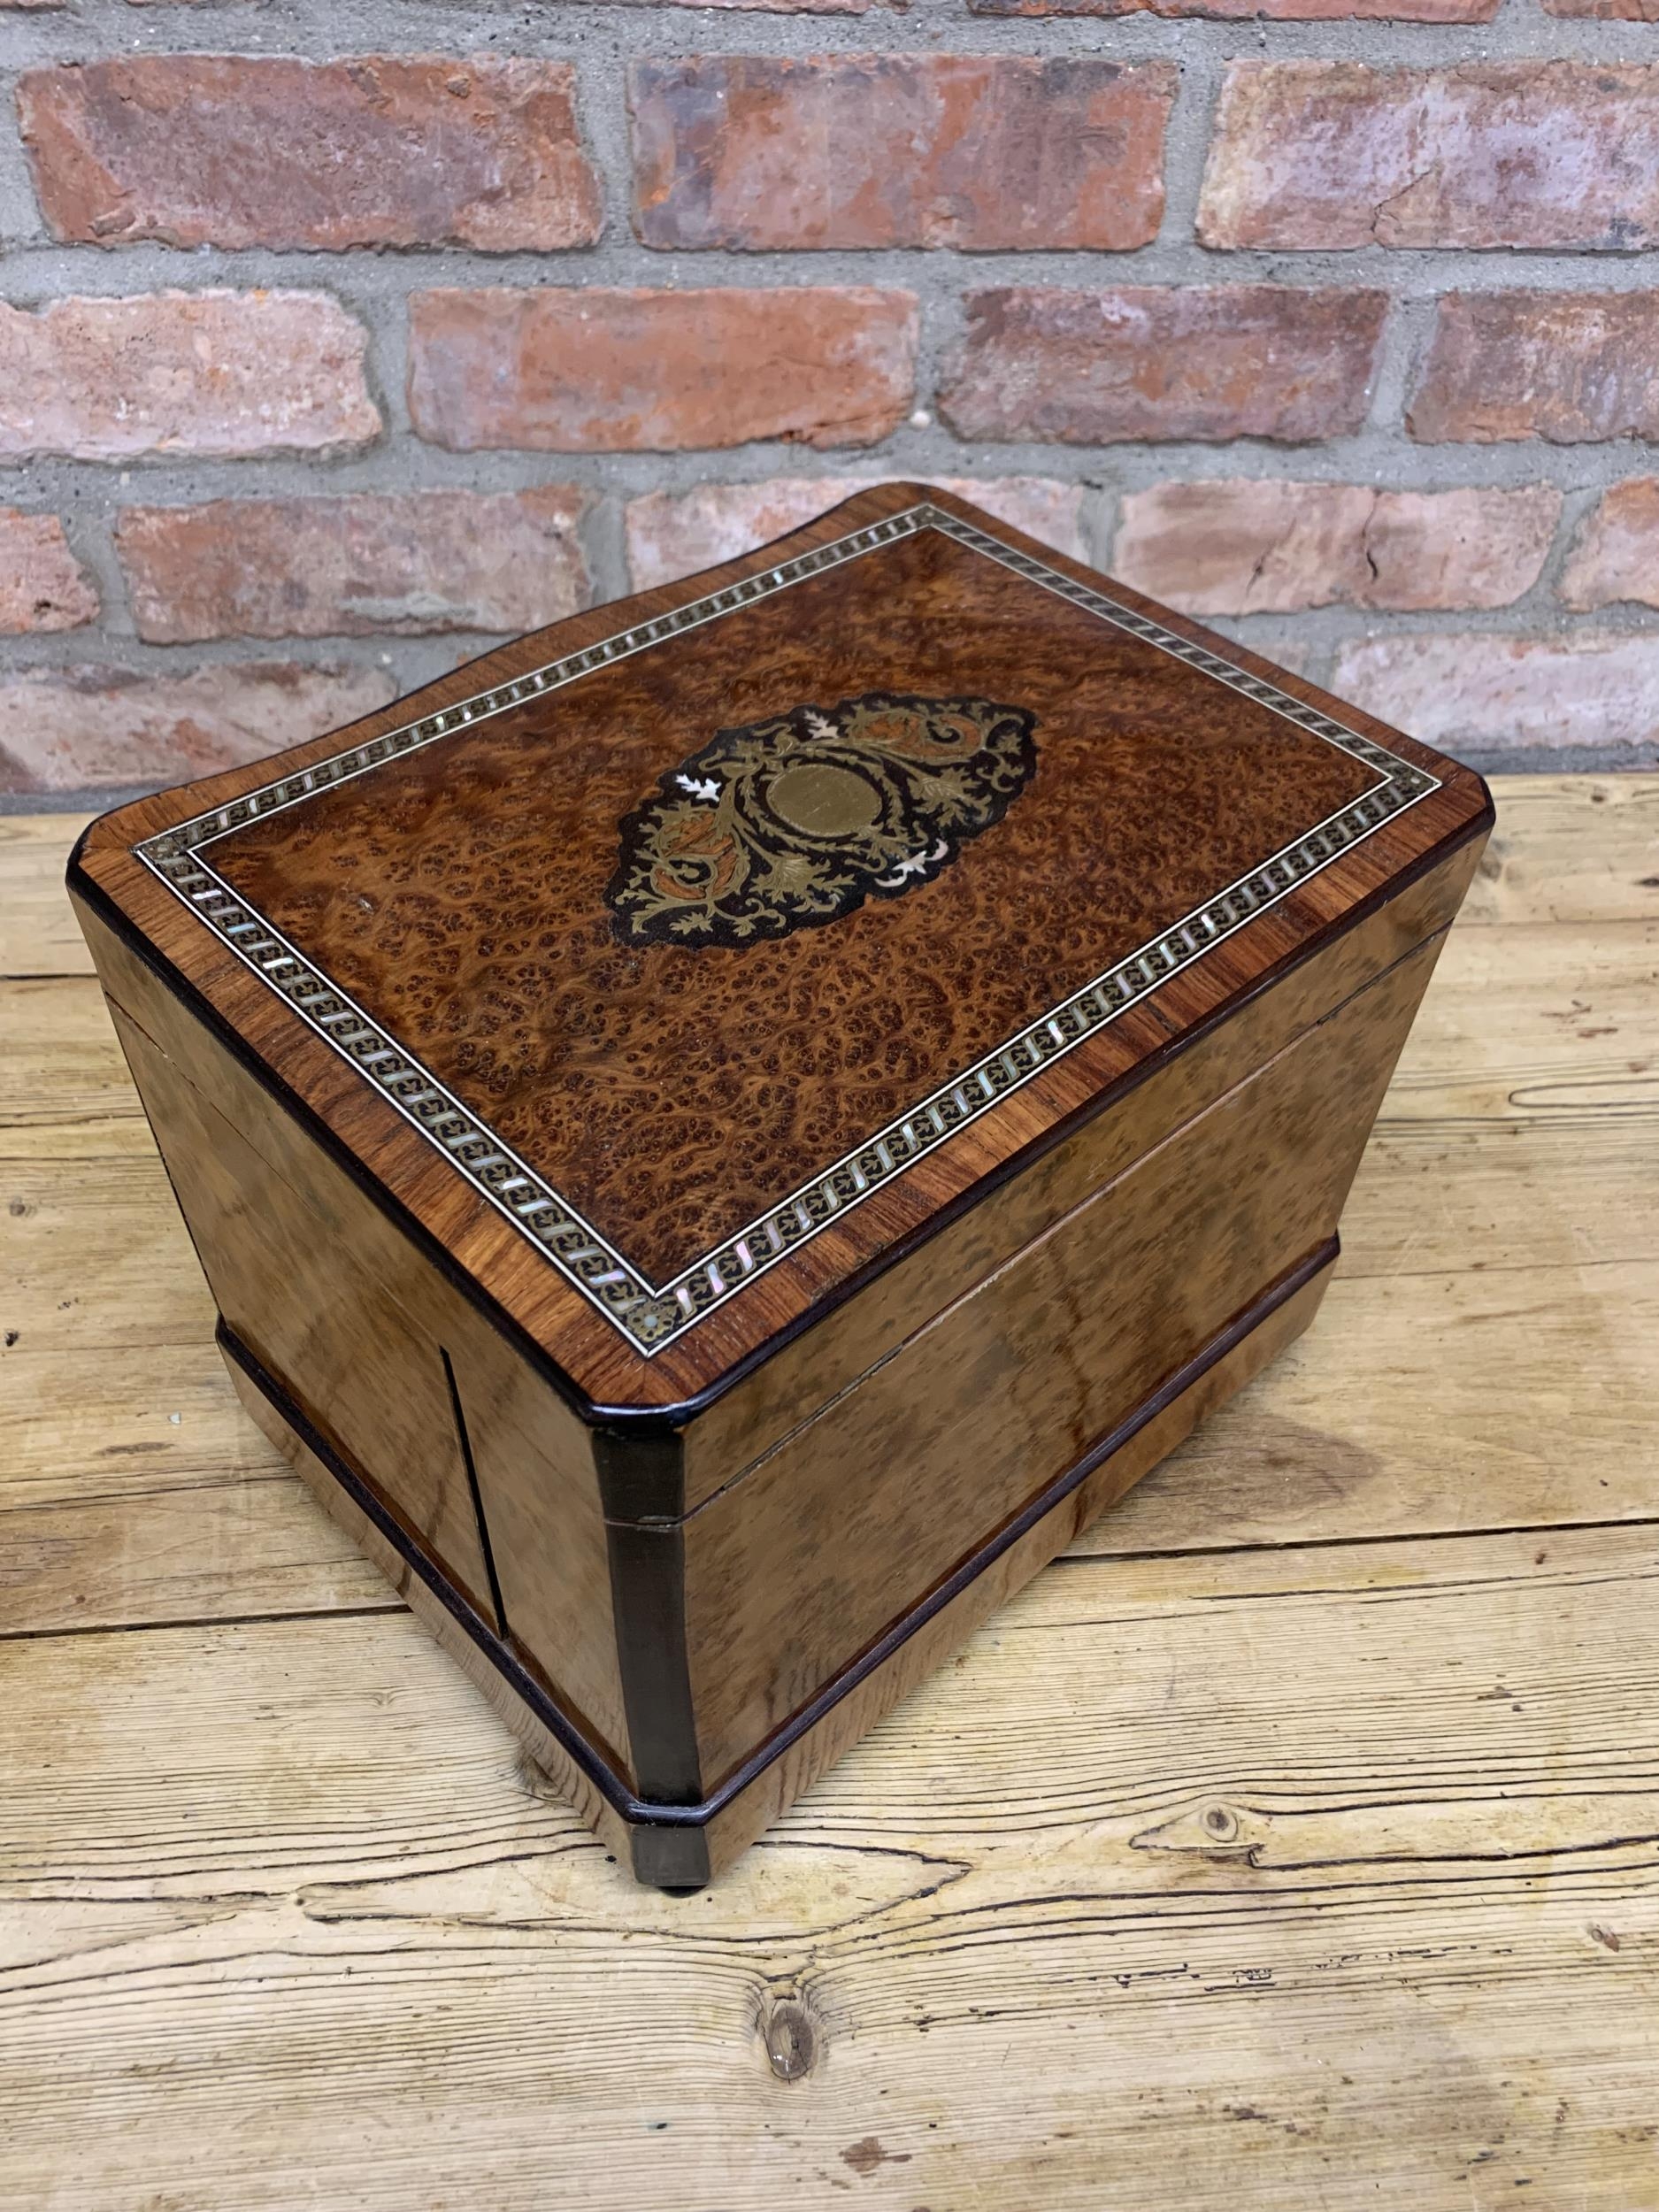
[723, 1132]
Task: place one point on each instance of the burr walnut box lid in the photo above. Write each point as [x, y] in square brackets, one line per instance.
[678, 970]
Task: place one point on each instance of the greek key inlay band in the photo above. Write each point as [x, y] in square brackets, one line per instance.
[652, 1315]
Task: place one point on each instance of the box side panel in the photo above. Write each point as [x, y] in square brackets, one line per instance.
[794, 1568]
[751, 1419]
[479, 1463]
[373, 1379]
[471, 1651]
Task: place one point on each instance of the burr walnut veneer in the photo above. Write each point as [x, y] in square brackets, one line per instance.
[723, 1131]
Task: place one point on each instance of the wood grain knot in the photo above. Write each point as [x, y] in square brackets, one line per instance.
[790, 2038]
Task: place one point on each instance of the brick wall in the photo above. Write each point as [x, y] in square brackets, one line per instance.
[343, 336]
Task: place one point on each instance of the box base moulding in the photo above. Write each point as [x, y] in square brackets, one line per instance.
[682, 1847]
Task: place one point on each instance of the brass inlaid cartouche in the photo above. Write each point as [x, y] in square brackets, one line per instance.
[795, 821]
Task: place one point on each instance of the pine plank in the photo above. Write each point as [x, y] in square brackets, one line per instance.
[1132, 1905]
[65, 1092]
[1569, 849]
[133, 1490]
[97, 1256]
[1515, 1399]
[1536, 1022]
[1396, 1415]
[1552, 1026]
[38, 935]
[1520, 1127]
[112, 1512]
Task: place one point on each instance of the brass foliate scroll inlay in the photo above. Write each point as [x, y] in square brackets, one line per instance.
[792, 822]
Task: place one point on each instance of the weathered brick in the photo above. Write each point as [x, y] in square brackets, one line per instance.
[1568, 366]
[1269, 547]
[218, 374]
[74, 729]
[1229, 361]
[42, 585]
[1331, 154]
[1615, 554]
[593, 371]
[225, 150]
[1273, 11]
[1477, 547]
[1478, 693]
[1607, 11]
[979, 151]
[673, 534]
[359, 565]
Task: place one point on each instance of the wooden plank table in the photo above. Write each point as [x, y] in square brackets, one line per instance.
[1294, 1842]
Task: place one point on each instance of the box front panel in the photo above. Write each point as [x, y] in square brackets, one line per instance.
[753, 1809]
[848, 1524]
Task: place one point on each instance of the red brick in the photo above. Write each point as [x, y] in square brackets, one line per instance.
[977, 152]
[223, 149]
[592, 371]
[1615, 554]
[360, 565]
[1264, 545]
[1232, 361]
[1273, 11]
[1568, 366]
[74, 729]
[1607, 11]
[1331, 154]
[1475, 547]
[673, 534]
[43, 587]
[1479, 694]
[218, 374]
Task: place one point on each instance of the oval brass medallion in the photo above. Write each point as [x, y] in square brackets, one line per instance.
[791, 823]
[823, 799]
